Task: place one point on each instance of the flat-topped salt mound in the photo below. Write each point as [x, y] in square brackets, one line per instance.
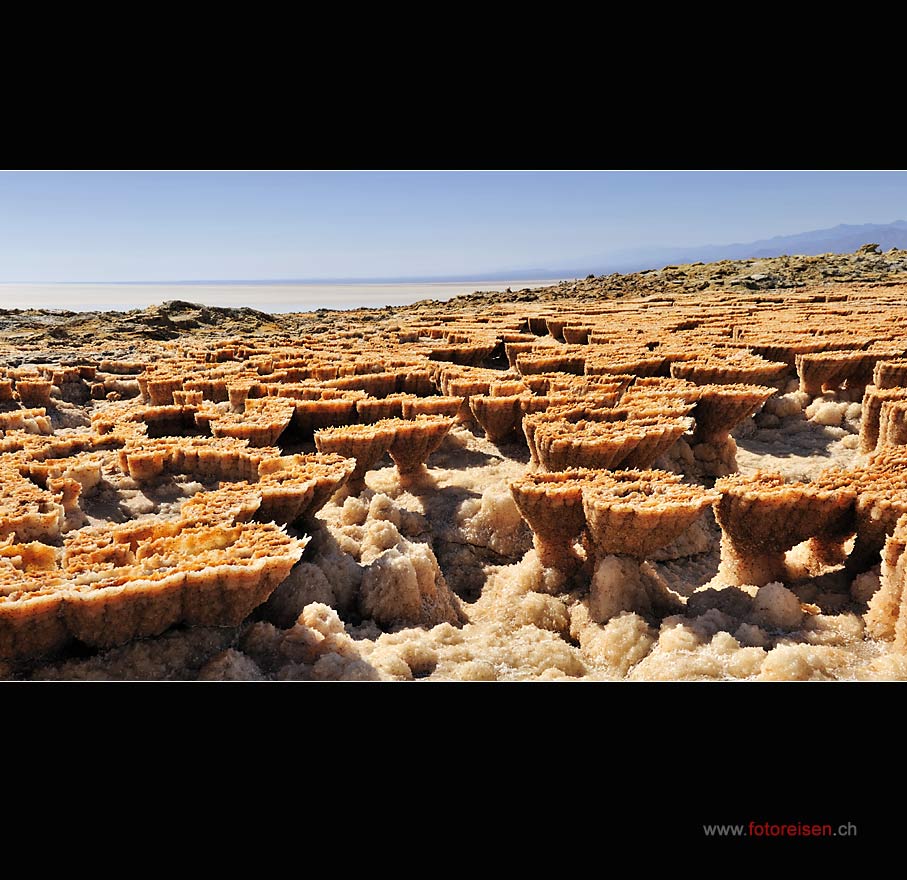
[767, 512]
[367, 444]
[223, 458]
[112, 585]
[415, 440]
[261, 423]
[558, 507]
[564, 445]
[834, 368]
[32, 420]
[764, 515]
[637, 514]
[720, 408]
[739, 367]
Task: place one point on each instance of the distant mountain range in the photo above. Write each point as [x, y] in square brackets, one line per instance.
[842, 239]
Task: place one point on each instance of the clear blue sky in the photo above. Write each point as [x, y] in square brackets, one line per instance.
[145, 226]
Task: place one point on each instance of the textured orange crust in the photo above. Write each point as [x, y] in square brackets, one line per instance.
[637, 517]
[128, 582]
[594, 386]
[416, 439]
[766, 512]
[432, 406]
[890, 373]
[720, 408]
[32, 421]
[873, 400]
[34, 392]
[367, 444]
[297, 486]
[262, 422]
[739, 367]
[562, 445]
[373, 409]
[314, 414]
[499, 416]
[833, 368]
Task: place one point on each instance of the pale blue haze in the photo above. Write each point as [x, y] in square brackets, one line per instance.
[168, 226]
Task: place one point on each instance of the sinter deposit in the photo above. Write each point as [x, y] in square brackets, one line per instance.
[698, 473]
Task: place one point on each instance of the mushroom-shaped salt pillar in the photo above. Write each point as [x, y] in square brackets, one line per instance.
[237, 579]
[893, 423]
[882, 500]
[562, 445]
[831, 369]
[416, 439]
[365, 443]
[878, 510]
[888, 373]
[34, 392]
[500, 417]
[719, 409]
[657, 439]
[263, 421]
[763, 516]
[297, 486]
[637, 515]
[886, 617]
[314, 414]
[740, 367]
[231, 503]
[205, 575]
[628, 519]
[871, 414]
[31, 598]
[540, 411]
[432, 406]
[552, 504]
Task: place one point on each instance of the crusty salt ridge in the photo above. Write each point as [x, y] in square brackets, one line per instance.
[429, 570]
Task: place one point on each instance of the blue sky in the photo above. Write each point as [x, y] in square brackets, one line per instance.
[148, 226]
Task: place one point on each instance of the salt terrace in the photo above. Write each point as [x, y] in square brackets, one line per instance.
[658, 488]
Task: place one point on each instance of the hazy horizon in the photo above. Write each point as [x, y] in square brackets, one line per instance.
[271, 298]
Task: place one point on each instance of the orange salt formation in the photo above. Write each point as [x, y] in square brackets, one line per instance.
[367, 444]
[764, 515]
[416, 439]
